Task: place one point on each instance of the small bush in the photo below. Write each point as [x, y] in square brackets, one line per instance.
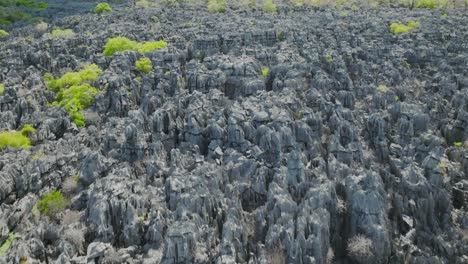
[431, 4]
[118, 44]
[90, 73]
[73, 93]
[398, 28]
[458, 144]
[70, 217]
[7, 244]
[265, 72]
[41, 27]
[4, 34]
[74, 99]
[52, 203]
[16, 139]
[61, 33]
[150, 46]
[143, 65]
[2, 88]
[217, 6]
[102, 8]
[360, 247]
[69, 186]
[143, 4]
[268, 6]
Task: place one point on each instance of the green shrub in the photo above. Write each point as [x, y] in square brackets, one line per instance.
[16, 139]
[90, 73]
[458, 144]
[52, 203]
[3, 33]
[265, 72]
[431, 4]
[398, 28]
[2, 88]
[74, 99]
[217, 6]
[117, 44]
[143, 65]
[7, 244]
[268, 6]
[73, 93]
[102, 8]
[150, 46]
[61, 33]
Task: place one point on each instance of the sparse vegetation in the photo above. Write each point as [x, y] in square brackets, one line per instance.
[382, 88]
[426, 4]
[143, 65]
[41, 26]
[4, 34]
[61, 33]
[118, 44]
[217, 6]
[360, 247]
[458, 144]
[7, 244]
[90, 73]
[398, 28]
[16, 139]
[2, 88]
[265, 72]
[102, 8]
[73, 92]
[12, 11]
[52, 203]
[269, 7]
[75, 237]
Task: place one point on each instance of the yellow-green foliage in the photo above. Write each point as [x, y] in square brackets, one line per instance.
[383, 88]
[151, 45]
[102, 8]
[117, 44]
[3, 33]
[2, 88]
[268, 6]
[90, 73]
[61, 33]
[73, 92]
[398, 28]
[74, 99]
[52, 203]
[217, 6]
[426, 4]
[143, 3]
[143, 65]
[265, 72]
[458, 144]
[7, 244]
[16, 139]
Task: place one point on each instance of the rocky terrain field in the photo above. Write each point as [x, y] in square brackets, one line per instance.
[306, 135]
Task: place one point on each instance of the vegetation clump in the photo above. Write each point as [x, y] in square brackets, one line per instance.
[61, 33]
[90, 73]
[398, 28]
[2, 88]
[16, 139]
[430, 4]
[269, 7]
[3, 33]
[52, 203]
[265, 72]
[143, 65]
[73, 92]
[117, 44]
[12, 11]
[102, 8]
[7, 244]
[217, 6]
